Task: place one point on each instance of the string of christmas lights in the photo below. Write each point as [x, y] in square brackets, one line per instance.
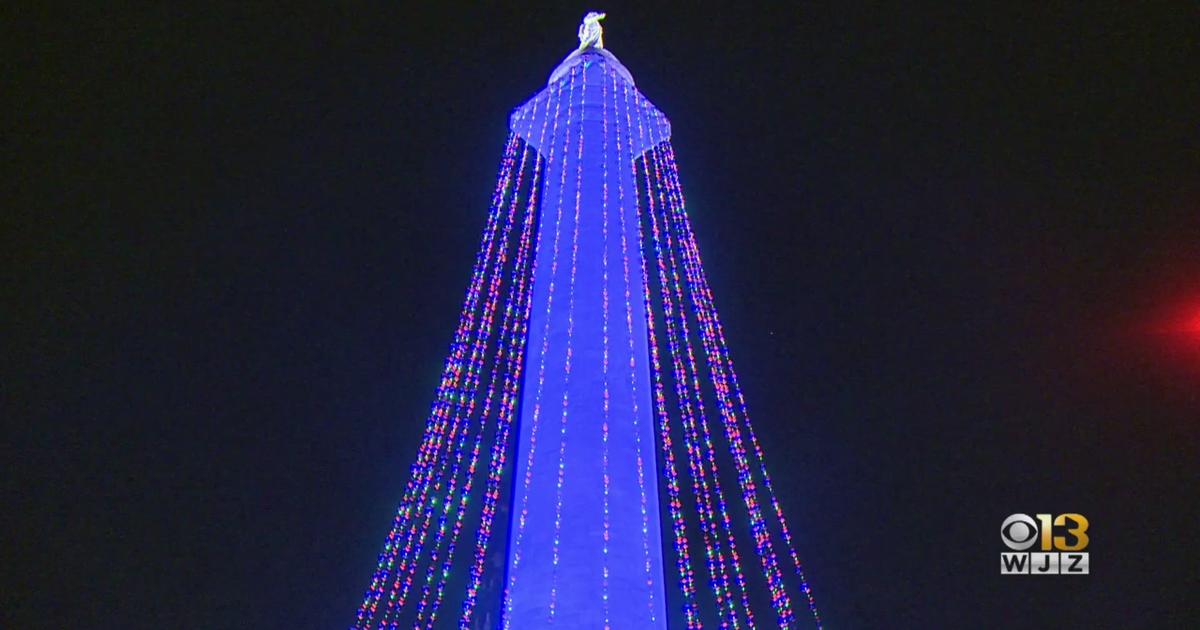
[556, 541]
[508, 353]
[460, 425]
[705, 438]
[503, 358]
[675, 326]
[604, 420]
[763, 546]
[523, 505]
[452, 371]
[687, 581]
[706, 308]
[520, 306]
[633, 371]
[500, 444]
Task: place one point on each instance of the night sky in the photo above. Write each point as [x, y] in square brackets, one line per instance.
[956, 251]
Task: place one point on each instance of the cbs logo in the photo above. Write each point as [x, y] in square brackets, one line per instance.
[1060, 542]
[1019, 532]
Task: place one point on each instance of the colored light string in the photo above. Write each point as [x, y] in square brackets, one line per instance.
[687, 584]
[435, 425]
[460, 425]
[510, 353]
[517, 339]
[560, 479]
[627, 155]
[675, 326]
[716, 334]
[505, 353]
[520, 335]
[779, 598]
[703, 437]
[535, 416]
[606, 524]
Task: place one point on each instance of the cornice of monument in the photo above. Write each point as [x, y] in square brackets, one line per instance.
[597, 54]
[529, 121]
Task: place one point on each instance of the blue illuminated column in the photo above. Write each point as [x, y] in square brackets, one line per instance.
[589, 124]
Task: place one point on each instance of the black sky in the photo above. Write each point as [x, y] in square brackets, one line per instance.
[944, 242]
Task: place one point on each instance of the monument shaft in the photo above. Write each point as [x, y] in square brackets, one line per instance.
[584, 546]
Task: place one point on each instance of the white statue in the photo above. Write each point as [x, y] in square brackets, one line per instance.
[591, 34]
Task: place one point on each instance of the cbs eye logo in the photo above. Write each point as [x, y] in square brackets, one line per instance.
[1060, 541]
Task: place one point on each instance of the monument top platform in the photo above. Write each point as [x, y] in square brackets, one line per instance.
[579, 56]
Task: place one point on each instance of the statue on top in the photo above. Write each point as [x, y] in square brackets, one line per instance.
[591, 34]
